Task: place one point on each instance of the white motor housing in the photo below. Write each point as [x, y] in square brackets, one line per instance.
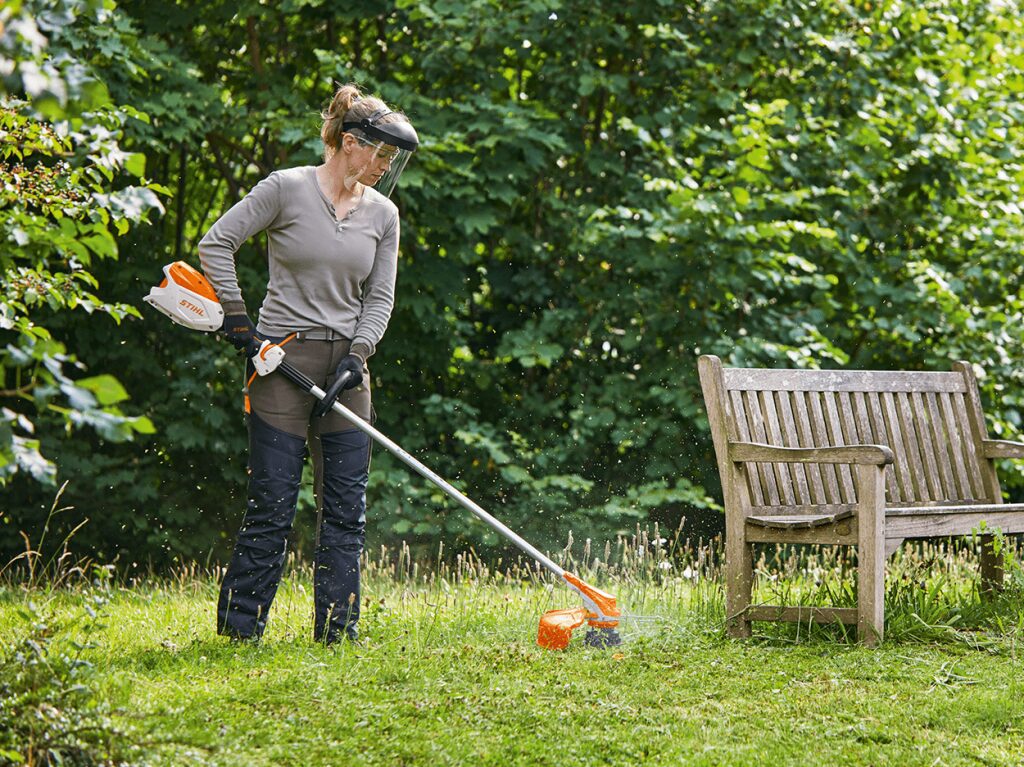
[187, 297]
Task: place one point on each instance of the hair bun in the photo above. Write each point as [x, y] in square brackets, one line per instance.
[344, 98]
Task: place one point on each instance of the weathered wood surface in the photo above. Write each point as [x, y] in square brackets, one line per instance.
[846, 615]
[932, 432]
[752, 452]
[1002, 448]
[761, 379]
[870, 554]
[864, 458]
[797, 521]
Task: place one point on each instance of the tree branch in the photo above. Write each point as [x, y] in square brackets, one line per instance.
[254, 52]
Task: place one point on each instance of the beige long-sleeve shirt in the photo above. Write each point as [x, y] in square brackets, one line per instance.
[324, 272]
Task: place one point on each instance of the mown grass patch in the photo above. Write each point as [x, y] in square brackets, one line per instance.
[448, 672]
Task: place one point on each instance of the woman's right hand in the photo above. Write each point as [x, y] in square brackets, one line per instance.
[353, 365]
[239, 330]
[348, 375]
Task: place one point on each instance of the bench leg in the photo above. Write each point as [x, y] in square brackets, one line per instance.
[870, 554]
[739, 582]
[991, 567]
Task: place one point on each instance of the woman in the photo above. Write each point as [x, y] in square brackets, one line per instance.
[333, 245]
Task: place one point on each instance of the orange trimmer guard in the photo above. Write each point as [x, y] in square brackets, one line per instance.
[556, 627]
[601, 612]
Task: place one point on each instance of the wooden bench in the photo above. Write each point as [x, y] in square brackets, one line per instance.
[851, 457]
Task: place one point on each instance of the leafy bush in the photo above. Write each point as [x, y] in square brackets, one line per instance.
[602, 193]
[63, 201]
[50, 711]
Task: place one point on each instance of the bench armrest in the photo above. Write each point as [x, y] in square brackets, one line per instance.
[754, 452]
[1002, 448]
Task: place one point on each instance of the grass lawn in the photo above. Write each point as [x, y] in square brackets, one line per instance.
[448, 674]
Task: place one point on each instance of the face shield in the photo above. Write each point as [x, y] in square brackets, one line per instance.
[392, 143]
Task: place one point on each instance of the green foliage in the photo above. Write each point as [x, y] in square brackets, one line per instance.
[602, 193]
[1013, 568]
[62, 205]
[50, 709]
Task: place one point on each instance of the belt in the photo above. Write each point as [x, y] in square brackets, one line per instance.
[320, 334]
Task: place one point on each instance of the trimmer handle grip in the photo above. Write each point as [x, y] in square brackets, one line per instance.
[323, 407]
[253, 347]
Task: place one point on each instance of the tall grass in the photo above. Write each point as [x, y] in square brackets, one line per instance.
[932, 587]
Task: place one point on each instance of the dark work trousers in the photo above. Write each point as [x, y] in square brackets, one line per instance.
[280, 423]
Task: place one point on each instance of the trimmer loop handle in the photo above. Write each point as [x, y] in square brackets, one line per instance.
[324, 406]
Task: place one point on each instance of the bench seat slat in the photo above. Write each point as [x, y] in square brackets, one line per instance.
[931, 525]
[842, 511]
[909, 521]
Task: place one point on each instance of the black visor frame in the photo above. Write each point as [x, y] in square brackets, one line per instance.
[399, 134]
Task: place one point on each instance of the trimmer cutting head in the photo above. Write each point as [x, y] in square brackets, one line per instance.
[600, 611]
[602, 638]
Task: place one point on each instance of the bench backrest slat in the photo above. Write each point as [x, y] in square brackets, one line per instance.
[817, 480]
[837, 437]
[756, 379]
[932, 422]
[936, 440]
[759, 493]
[954, 444]
[931, 473]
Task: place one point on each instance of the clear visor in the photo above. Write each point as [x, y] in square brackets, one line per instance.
[382, 167]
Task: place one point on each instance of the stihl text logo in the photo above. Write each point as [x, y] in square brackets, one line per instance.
[192, 307]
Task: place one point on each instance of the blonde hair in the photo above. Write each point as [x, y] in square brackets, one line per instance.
[350, 105]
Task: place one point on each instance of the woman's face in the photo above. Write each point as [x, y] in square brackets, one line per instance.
[377, 163]
[368, 161]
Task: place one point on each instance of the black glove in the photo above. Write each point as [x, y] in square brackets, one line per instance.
[353, 365]
[239, 330]
[349, 375]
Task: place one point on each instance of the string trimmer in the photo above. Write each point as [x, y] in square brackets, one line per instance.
[188, 298]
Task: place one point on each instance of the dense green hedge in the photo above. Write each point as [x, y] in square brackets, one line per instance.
[604, 192]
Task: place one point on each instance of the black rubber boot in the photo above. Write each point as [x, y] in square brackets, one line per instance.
[252, 577]
[340, 537]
